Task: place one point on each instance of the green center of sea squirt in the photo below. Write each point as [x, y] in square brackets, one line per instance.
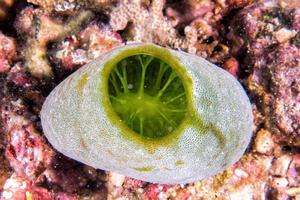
[135, 101]
[147, 95]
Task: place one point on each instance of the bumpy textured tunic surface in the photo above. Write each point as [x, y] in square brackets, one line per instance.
[76, 124]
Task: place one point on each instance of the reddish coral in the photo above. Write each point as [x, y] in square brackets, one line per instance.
[26, 150]
[250, 169]
[232, 66]
[4, 65]
[293, 173]
[33, 160]
[85, 46]
[184, 13]
[296, 20]
[7, 47]
[133, 184]
[25, 20]
[18, 188]
[18, 76]
[272, 54]
[65, 53]
[153, 190]
[7, 52]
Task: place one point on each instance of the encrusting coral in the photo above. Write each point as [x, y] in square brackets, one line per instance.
[83, 46]
[162, 22]
[148, 24]
[275, 82]
[192, 26]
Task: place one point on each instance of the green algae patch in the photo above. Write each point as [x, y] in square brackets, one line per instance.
[81, 83]
[179, 163]
[143, 169]
[148, 95]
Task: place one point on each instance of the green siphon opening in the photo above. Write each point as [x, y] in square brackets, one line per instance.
[135, 101]
[148, 95]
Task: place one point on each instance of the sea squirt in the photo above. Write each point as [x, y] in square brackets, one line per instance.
[151, 113]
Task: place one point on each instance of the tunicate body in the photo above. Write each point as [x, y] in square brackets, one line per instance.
[199, 126]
